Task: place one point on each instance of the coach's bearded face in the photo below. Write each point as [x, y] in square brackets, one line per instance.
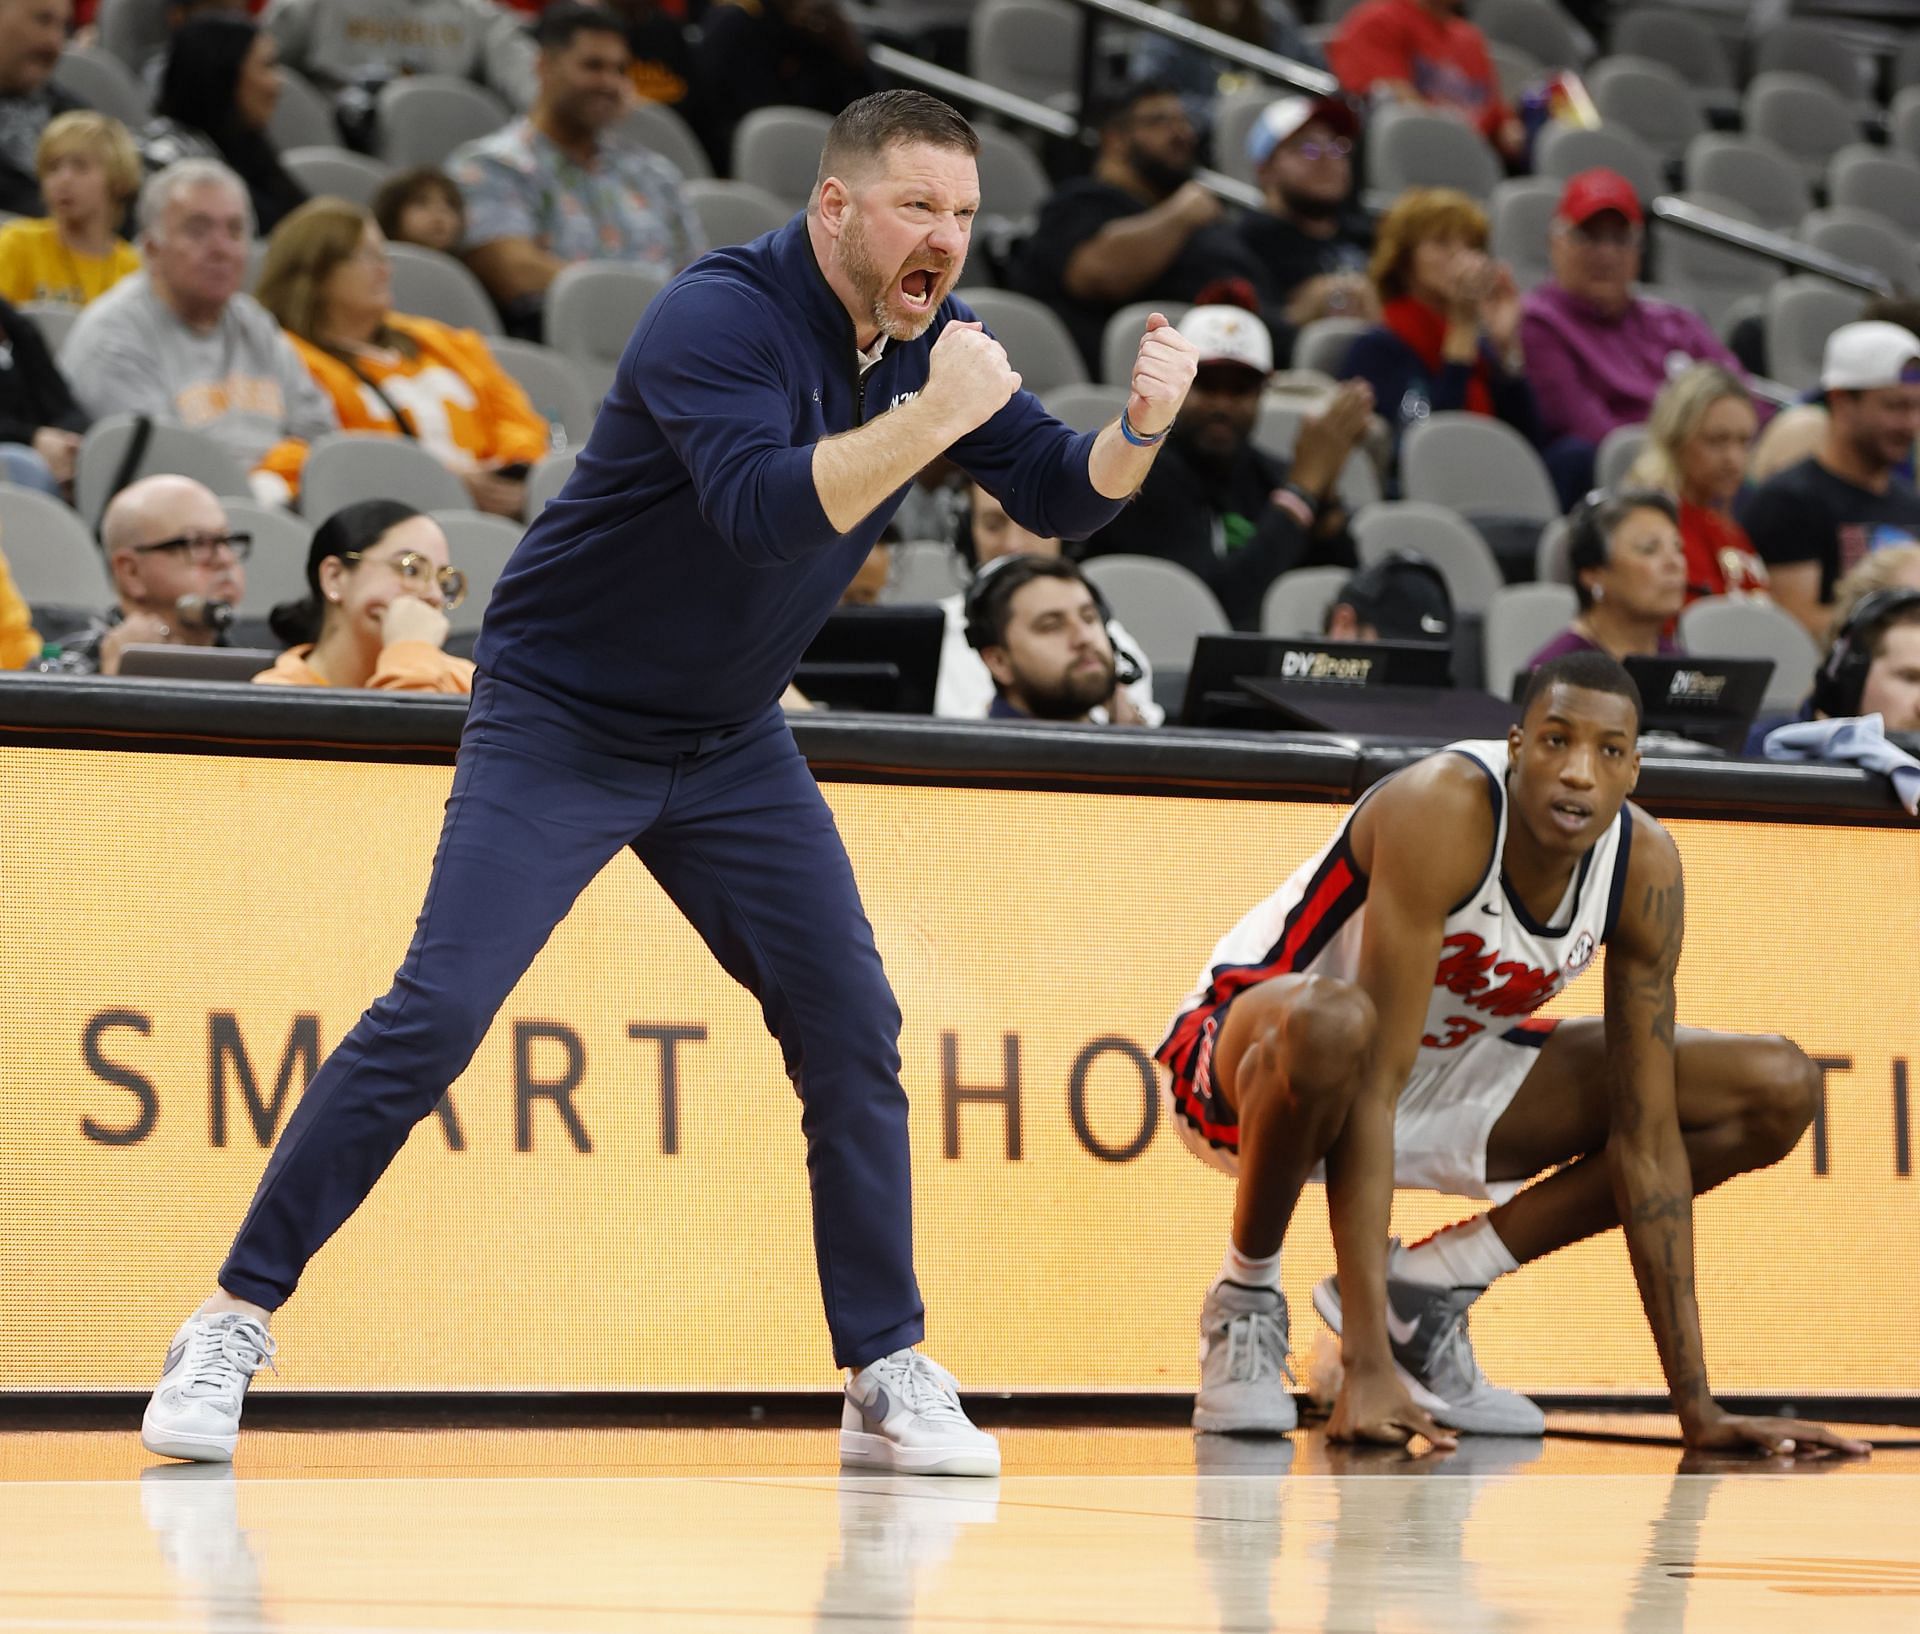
[904, 242]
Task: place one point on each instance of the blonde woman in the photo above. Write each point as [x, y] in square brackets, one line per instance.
[329, 282]
[1699, 442]
[88, 169]
[1895, 567]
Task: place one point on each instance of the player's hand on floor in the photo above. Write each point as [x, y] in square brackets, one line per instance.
[1375, 1406]
[1733, 1432]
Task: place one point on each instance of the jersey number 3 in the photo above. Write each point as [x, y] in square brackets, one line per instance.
[1459, 1030]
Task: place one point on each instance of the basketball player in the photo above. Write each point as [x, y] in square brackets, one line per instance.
[767, 418]
[1376, 1014]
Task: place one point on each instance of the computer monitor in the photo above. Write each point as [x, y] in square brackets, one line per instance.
[169, 663]
[1216, 697]
[1710, 700]
[884, 659]
[1443, 713]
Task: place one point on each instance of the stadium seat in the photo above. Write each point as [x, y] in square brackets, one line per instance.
[1038, 343]
[1538, 27]
[169, 448]
[131, 29]
[1278, 427]
[660, 130]
[1562, 151]
[303, 117]
[1444, 537]
[1744, 627]
[1802, 45]
[735, 212]
[421, 118]
[334, 172]
[1752, 174]
[1476, 465]
[53, 558]
[1651, 100]
[1906, 65]
[924, 570]
[479, 545]
[1013, 183]
[1164, 607]
[1028, 47]
[546, 479]
[431, 284]
[1865, 239]
[1234, 116]
[1685, 43]
[1521, 619]
[1296, 603]
[1618, 450]
[1514, 70]
[1086, 406]
[551, 381]
[54, 320]
[1903, 121]
[778, 151]
[592, 308]
[1407, 148]
[344, 466]
[1120, 341]
[104, 83]
[1800, 314]
[277, 569]
[1803, 116]
[1323, 344]
[1871, 179]
[1553, 557]
[1522, 211]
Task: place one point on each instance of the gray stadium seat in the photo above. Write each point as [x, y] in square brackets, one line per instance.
[1745, 627]
[1903, 120]
[334, 172]
[551, 382]
[1522, 211]
[1565, 150]
[1038, 343]
[546, 479]
[1296, 603]
[1761, 178]
[430, 284]
[1277, 429]
[1164, 607]
[1476, 465]
[1802, 45]
[778, 151]
[133, 30]
[924, 570]
[1667, 34]
[1234, 115]
[1120, 341]
[277, 569]
[660, 130]
[735, 212]
[1013, 183]
[344, 466]
[1906, 65]
[1514, 69]
[592, 308]
[1085, 406]
[1801, 313]
[54, 320]
[1553, 558]
[1521, 619]
[1407, 148]
[1028, 47]
[422, 118]
[1863, 238]
[1801, 115]
[104, 83]
[53, 558]
[1538, 27]
[1618, 450]
[303, 117]
[1884, 184]
[170, 448]
[1323, 344]
[1651, 100]
[1444, 537]
[479, 545]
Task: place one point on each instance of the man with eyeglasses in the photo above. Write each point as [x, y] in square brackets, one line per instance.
[1597, 354]
[175, 565]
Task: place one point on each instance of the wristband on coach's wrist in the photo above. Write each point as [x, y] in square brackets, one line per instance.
[1134, 437]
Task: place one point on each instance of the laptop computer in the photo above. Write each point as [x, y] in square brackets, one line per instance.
[1218, 696]
[1708, 700]
[885, 659]
[166, 663]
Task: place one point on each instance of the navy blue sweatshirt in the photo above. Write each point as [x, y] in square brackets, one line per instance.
[672, 586]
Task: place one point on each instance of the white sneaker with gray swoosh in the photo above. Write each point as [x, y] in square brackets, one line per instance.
[903, 1414]
[195, 1409]
[1433, 1355]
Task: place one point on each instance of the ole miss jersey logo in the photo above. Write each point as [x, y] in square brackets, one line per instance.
[1484, 981]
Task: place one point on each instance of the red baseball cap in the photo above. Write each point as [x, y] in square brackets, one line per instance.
[1594, 191]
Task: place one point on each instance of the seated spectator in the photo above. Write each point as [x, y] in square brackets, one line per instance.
[422, 207]
[375, 613]
[866, 587]
[559, 186]
[1041, 630]
[178, 573]
[1196, 74]
[1449, 338]
[1311, 243]
[1138, 229]
[1402, 597]
[1630, 574]
[1425, 53]
[328, 280]
[32, 35]
[1814, 522]
[1698, 441]
[217, 96]
[361, 44]
[156, 22]
[179, 342]
[984, 533]
[1796, 433]
[40, 423]
[1598, 354]
[1872, 667]
[1895, 568]
[20, 642]
[89, 171]
[776, 54]
[1224, 509]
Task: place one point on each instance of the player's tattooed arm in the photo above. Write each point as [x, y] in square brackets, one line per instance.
[1652, 1178]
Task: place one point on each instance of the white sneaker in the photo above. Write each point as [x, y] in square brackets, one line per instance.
[903, 1413]
[195, 1409]
[1243, 1363]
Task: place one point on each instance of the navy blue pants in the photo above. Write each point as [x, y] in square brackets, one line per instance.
[738, 836]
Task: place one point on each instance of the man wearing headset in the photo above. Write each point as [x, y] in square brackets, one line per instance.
[1041, 629]
[1873, 666]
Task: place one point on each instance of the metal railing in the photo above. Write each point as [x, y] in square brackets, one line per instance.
[1771, 246]
[1301, 76]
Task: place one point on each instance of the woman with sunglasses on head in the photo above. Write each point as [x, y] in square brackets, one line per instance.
[379, 588]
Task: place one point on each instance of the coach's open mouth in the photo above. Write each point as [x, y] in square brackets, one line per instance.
[918, 286]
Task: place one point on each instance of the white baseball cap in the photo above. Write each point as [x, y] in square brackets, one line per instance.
[1284, 119]
[1231, 334]
[1863, 356]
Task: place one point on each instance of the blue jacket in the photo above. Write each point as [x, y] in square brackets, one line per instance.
[672, 586]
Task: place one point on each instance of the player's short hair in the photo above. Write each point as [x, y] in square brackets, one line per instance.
[1589, 671]
[865, 130]
[559, 26]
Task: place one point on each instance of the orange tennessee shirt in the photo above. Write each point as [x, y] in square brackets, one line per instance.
[404, 666]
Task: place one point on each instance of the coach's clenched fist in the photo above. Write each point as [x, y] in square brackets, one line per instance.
[969, 378]
[1162, 372]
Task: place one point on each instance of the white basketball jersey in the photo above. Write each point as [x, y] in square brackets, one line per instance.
[1498, 964]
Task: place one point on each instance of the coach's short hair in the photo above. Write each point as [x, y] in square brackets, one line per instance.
[866, 129]
[1590, 671]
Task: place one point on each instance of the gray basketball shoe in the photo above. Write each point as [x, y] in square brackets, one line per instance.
[1434, 1355]
[1243, 1363]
